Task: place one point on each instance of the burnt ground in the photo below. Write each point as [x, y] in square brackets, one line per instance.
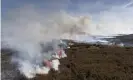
[85, 62]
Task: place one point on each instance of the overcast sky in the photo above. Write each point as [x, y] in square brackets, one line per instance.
[69, 5]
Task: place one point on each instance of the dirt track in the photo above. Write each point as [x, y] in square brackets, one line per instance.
[87, 62]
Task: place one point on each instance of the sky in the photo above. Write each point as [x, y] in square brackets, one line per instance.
[69, 5]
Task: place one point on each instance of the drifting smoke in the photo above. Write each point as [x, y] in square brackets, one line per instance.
[26, 29]
[29, 29]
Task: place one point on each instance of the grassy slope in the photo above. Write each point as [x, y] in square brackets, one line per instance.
[89, 62]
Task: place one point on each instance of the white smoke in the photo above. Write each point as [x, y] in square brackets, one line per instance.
[26, 28]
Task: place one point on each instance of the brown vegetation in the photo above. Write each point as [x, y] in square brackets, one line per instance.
[94, 62]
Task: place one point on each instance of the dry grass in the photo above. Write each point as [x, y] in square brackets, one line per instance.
[93, 62]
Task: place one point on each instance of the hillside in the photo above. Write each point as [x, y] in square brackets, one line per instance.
[87, 62]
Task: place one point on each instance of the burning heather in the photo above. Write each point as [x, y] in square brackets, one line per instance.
[43, 62]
